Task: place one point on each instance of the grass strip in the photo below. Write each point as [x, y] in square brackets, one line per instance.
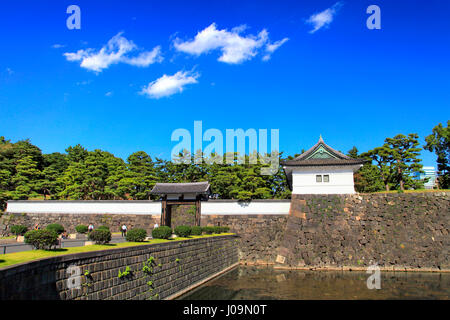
[31, 255]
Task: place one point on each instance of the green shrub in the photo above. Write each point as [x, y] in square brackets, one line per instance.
[103, 228]
[100, 236]
[163, 232]
[136, 235]
[126, 273]
[19, 230]
[183, 231]
[81, 228]
[196, 230]
[217, 229]
[41, 239]
[225, 229]
[208, 230]
[56, 227]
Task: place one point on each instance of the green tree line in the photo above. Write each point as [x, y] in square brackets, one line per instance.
[80, 174]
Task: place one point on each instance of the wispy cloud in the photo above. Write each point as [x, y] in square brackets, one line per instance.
[83, 83]
[9, 71]
[271, 47]
[324, 18]
[109, 94]
[117, 50]
[58, 46]
[234, 47]
[169, 85]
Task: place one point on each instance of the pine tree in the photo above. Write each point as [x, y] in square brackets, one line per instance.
[439, 143]
[404, 152]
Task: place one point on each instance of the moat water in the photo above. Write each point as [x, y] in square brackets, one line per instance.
[261, 283]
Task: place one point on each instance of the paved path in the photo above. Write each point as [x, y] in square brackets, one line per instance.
[67, 243]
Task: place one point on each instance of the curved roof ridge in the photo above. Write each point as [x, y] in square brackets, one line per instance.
[308, 152]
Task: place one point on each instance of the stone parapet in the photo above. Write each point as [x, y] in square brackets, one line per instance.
[95, 275]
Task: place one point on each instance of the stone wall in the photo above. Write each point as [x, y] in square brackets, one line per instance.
[182, 264]
[258, 235]
[70, 221]
[182, 215]
[407, 230]
[401, 231]
[396, 231]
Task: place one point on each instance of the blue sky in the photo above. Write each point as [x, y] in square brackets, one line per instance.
[353, 85]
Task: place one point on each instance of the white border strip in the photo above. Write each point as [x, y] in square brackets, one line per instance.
[245, 208]
[147, 207]
[61, 207]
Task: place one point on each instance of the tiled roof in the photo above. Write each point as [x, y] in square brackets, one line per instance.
[335, 158]
[181, 188]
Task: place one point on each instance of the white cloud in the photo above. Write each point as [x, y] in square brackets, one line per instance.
[146, 58]
[324, 18]
[271, 47]
[108, 94]
[57, 46]
[115, 51]
[234, 47]
[9, 71]
[169, 85]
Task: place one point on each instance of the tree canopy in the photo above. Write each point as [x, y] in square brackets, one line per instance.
[439, 143]
[397, 163]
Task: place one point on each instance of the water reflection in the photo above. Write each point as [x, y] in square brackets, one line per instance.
[253, 283]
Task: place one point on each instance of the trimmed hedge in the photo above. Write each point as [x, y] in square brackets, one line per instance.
[136, 235]
[19, 230]
[100, 236]
[163, 232]
[81, 228]
[217, 229]
[196, 231]
[103, 228]
[183, 231]
[42, 239]
[56, 227]
[208, 230]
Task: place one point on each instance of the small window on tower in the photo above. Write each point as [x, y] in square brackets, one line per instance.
[326, 178]
[318, 178]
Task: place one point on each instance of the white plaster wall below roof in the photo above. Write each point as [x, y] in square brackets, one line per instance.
[340, 180]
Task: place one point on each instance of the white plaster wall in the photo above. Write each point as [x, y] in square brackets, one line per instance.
[242, 208]
[213, 207]
[341, 181]
[87, 207]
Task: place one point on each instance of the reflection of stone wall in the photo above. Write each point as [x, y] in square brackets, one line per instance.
[260, 282]
[70, 221]
[183, 263]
